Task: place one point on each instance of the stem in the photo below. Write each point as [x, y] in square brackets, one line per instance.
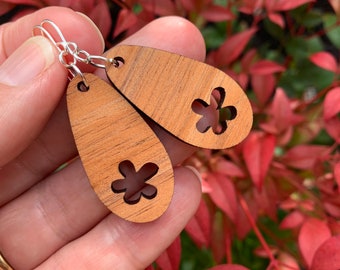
[244, 205]
[228, 248]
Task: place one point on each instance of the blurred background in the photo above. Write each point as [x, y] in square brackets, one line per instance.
[273, 201]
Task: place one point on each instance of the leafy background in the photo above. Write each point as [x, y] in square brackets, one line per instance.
[273, 201]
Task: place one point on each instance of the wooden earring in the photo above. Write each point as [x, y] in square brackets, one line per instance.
[178, 92]
[117, 147]
[127, 165]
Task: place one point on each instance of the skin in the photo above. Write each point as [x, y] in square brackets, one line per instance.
[56, 221]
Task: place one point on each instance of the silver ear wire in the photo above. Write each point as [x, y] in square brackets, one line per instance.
[44, 32]
[67, 50]
[69, 53]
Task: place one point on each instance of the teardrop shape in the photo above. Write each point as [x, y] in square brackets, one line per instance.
[171, 88]
[125, 162]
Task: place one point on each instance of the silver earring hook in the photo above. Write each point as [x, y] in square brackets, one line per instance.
[68, 51]
[44, 32]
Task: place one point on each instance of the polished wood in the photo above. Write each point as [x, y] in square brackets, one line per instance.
[165, 85]
[108, 131]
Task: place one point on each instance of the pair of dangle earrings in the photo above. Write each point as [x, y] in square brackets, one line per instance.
[127, 165]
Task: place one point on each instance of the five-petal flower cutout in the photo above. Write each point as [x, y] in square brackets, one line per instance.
[213, 115]
[134, 183]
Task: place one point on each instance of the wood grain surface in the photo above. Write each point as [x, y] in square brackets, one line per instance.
[108, 131]
[164, 85]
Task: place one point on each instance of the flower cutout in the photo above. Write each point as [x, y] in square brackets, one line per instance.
[213, 115]
[134, 183]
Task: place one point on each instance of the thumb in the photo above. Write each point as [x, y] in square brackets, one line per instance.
[31, 84]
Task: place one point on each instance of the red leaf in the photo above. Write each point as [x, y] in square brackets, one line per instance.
[292, 220]
[332, 104]
[248, 59]
[336, 171]
[313, 234]
[282, 117]
[36, 3]
[125, 20]
[170, 259]
[163, 8]
[282, 5]
[223, 194]
[217, 13]
[229, 267]
[199, 227]
[287, 262]
[281, 111]
[263, 86]
[324, 60]
[334, 226]
[188, 4]
[251, 6]
[304, 156]
[243, 226]
[265, 67]
[218, 236]
[258, 150]
[332, 209]
[100, 15]
[327, 255]
[333, 128]
[228, 168]
[277, 19]
[265, 198]
[5, 7]
[232, 47]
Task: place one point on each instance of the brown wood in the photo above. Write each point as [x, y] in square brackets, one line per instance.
[164, 86]
[107, 131]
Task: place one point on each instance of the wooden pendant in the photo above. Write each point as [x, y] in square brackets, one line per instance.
[125, 162]
[196, 102]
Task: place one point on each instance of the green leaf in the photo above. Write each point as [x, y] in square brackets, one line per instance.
[306, 18]
[330, 22]
[214, 35]
[301, 75]
[297, 47]
[314, 44]
[243, 252]
[220, 2]
[274, 30]
[192, 257]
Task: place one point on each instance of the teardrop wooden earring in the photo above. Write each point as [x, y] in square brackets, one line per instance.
[178, 93]
[124, 160]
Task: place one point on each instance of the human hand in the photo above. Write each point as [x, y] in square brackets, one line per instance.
[54, 220]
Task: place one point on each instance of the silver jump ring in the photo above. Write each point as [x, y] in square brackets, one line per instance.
[95, 59]
[67, 64]
[84, 59]
[75, 71]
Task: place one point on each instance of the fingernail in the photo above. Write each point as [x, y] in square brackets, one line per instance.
[27, 62]
[195, 171]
